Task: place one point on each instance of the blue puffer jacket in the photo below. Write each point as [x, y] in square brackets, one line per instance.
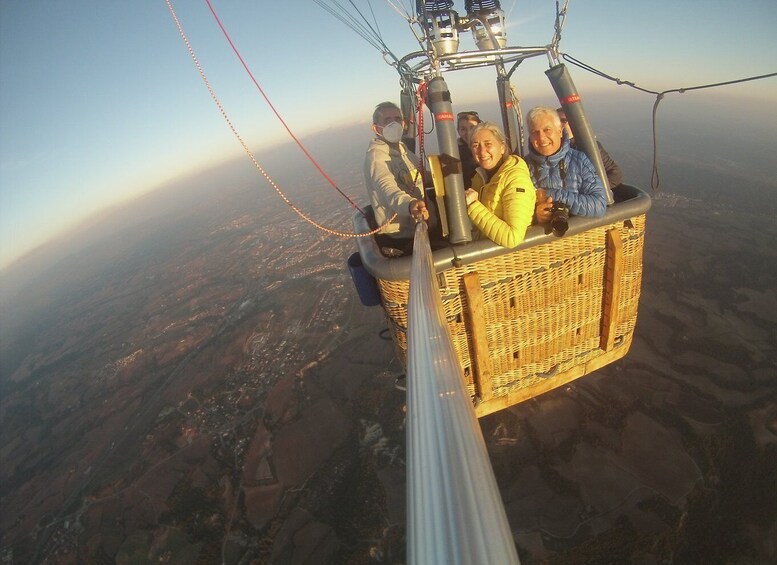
[568, 176]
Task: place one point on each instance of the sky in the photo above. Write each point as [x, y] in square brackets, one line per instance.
[101, 102]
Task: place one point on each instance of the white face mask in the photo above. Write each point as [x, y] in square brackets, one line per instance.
[392, 132]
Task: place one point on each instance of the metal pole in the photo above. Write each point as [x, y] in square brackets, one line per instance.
[585, 140]
[509, 119]
[455, 514]
[439, 100]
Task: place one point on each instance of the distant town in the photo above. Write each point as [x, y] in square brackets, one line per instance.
[141, 373]
[208, 389]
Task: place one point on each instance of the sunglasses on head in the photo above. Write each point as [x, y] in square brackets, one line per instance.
[462, 115]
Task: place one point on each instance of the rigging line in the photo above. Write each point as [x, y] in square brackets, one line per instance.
[682, 90]
[366, 23]
[655, 179]
[510, 11]
[597, 72]
[558, 26]
[405, 14]
[349, 21]
[716, 84]
[272, 107]
[374, 19]
[264, 173]
[355, 24]
[386, 50]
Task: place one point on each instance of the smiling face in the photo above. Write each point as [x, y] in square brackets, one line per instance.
[486, 148]
[465, 127]
[545, 134]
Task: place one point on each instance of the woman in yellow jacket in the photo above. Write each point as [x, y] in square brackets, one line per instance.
[502, 198]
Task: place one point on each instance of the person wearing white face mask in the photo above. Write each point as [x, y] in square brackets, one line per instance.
[394, 183]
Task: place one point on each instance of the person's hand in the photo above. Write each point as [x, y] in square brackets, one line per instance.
[470, 195]
[544, 206]
[418, 210]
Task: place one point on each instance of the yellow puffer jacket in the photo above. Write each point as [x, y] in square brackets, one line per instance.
[505, 206]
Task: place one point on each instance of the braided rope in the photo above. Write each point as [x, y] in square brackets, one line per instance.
[275, 111]
[264, 173]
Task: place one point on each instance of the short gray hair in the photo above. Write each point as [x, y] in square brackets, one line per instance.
[539, 111]
[493, 128]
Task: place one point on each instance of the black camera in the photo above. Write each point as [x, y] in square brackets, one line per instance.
[559, 218]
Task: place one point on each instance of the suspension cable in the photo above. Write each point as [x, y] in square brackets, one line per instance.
[350, 21]
[406, 14]
[558, 26]
[264, 173]
[275, 111]
[361, 26]
[654, 177]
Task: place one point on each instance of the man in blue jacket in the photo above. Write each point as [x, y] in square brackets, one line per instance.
[560, 173]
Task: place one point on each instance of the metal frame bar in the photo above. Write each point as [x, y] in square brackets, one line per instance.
[467, 60]
[630, 202]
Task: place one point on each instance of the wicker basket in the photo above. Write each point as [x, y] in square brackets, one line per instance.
[529, 321]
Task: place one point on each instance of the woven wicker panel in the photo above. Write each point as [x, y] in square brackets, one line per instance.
[543, 306]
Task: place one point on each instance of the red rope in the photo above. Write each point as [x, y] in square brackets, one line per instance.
[421, 100]
[277, 114]
[242, 142]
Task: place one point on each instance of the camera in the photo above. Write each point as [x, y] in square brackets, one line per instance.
[559, 218]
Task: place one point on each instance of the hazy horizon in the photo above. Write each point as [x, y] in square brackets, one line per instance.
[719, 131]
[131, 111]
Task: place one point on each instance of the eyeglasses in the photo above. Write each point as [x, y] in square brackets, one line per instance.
[462, 115]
